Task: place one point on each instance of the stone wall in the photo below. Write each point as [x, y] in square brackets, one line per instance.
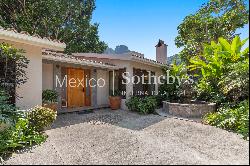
[188, 110]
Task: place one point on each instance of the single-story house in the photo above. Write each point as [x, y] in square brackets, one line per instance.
[94, 76]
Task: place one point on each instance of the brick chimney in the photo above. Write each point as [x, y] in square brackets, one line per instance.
[161, 52]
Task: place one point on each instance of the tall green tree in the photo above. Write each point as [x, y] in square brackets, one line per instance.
[64, 20]
[217, 18]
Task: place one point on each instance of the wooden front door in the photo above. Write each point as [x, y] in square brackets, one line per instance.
[75, 88]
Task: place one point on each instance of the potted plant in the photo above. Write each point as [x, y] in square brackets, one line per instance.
[115, 100]
[50, 99]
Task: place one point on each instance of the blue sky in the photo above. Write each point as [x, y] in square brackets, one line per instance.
[139, 24]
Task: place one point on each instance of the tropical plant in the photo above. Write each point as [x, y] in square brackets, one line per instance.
[223, 77]
[216, 18]
[234, 118]
[19, 136]
[144, 105]
[219, 64]
[49, 96]
[41, 117]
[64, 20]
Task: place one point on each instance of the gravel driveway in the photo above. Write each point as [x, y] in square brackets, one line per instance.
[121, 137]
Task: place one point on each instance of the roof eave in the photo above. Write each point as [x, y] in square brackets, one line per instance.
[31, 40]
[148, 62]
[78, 62]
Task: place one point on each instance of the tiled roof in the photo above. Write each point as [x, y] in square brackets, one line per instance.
[61, 57]
[147, 60]
[132, 56]
[12, 33]
[136, 53]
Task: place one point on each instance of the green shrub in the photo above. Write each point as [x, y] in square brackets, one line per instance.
[132, 103]
[8, 113]
[145, 105]
[49, 96]
[41, 117]
[19, 136]
[233, 118]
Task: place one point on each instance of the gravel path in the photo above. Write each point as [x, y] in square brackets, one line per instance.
[120, 137]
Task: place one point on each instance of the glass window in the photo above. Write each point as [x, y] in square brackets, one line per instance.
[115, 82]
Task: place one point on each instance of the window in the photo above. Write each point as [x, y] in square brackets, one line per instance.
[115, 82]
[146, 87]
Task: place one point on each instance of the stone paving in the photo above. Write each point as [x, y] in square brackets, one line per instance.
[121, 137]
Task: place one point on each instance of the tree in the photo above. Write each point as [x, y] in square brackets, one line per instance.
[64, 20]
[217, 18]
[223, 71]
[12, 70]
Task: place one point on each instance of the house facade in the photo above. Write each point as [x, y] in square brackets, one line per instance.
[82, 80]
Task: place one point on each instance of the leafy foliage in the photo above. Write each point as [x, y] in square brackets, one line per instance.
[144, 105]
[8, 113]
[223, 77]
[19, 136]
[23, 130]
[231, 118]
[41, 117]
[132, 103]
[235, 84]
[224, 69]
[170, 90]
[213, 20]
[68, 21]
[13, 65]
[26, 131]
[49, 96]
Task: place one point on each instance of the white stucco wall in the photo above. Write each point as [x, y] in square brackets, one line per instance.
[30, 93]
[103, 92]
[47, 76]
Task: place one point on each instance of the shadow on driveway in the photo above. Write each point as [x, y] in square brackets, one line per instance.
[120, 118]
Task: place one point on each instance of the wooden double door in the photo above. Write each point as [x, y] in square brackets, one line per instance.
[78, 91]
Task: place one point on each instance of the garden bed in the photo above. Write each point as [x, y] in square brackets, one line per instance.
[193, 109]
